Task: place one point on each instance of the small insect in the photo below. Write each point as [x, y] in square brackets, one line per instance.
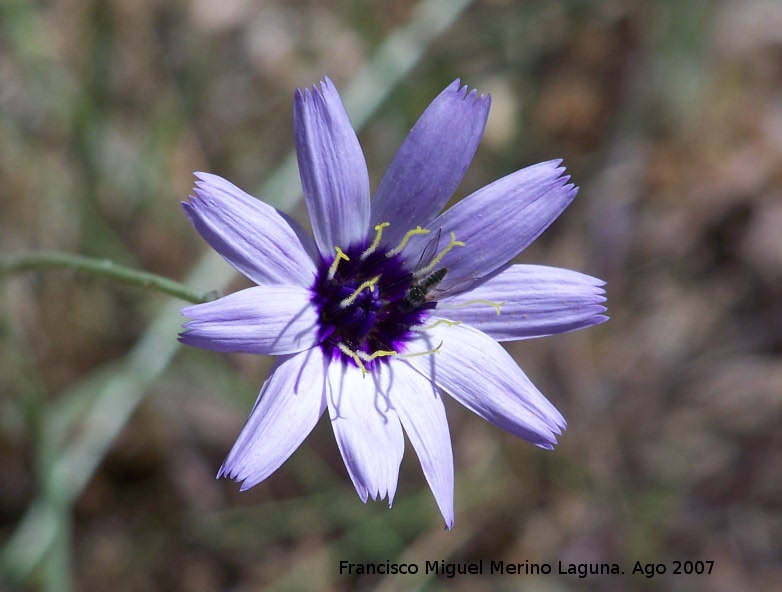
[423, 287]
[423, 282]
[420, 291]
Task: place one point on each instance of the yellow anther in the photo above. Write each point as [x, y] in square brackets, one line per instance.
[434, 262]
[495, 305]
[410, 234]
[333, 268]
[351, 354]
[369, 357]
[424, 353]
[440, 322]
[358, 356]
[379, 229]
[350, 299]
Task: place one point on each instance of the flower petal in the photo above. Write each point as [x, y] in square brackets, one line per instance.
[476, 371]
[419, 406]
[497, 222]
[367, 430]
[267, 320]
[431, 162]
[332, 169]
[533, 300]
[261, 242]
[291, 401]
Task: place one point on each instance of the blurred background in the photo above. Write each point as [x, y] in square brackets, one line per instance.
[669, 117]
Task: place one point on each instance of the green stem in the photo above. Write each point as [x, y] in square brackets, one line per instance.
[22, 262]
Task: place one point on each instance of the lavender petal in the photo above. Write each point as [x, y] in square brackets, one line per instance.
[267, 320]
[262, 243]
[476, 371]
[497, 222]
[532, 301]
[367, 430]
[290, 403]
[419, 406]
[332, 169]
[431, 162]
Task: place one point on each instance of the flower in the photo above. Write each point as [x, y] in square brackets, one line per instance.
[393, 303]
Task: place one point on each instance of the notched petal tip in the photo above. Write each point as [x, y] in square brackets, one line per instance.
[379, 496]
[481, 101]
[556, 168]
[191, 338]
[207, 183]
[551, 174]
[552, 440]
[222, 472]
[326, 85]
[189, 210]
[306, 94]
[230, 470]
[466, 94]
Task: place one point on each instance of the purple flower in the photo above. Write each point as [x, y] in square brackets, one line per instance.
[393, 303]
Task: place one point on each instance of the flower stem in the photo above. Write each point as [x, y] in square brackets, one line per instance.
[23, 262]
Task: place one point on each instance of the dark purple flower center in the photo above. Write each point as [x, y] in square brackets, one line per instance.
[368, 305]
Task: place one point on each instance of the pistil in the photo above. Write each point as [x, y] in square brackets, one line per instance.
[439, 257]
[333, 269]
[352, 298]
[410, 234]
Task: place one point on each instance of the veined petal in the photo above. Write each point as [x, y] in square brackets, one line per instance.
[526, 301]
[259, 320]
[332, 169]
[261, 242]
[367, 430]
[419, 406]
[476, 371]
[497, 222]
[431, 162]
[291, 401]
